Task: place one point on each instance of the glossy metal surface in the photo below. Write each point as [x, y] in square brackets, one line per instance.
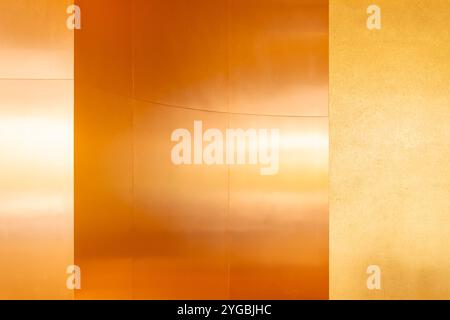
[145, 228]
[36, 162]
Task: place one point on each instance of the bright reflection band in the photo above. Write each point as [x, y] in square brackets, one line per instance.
[174, 149]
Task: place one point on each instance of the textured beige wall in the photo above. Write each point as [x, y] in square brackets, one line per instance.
[390, 151]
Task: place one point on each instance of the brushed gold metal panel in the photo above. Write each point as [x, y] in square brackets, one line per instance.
[103, 46]
[36, 147]
[181, 52]
[35, 42]
[390, 174]
[180, 212]
[281, 48]
[278, 225]
[172, 225]
[103, 150]
[36, 191]
[103, 194]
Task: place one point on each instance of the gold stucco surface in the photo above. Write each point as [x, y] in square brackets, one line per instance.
[390, 151]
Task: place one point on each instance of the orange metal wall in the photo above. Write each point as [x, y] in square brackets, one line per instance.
[145, 228]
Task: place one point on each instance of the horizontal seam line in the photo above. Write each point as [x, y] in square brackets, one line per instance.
[173, 106]
[226, 112]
